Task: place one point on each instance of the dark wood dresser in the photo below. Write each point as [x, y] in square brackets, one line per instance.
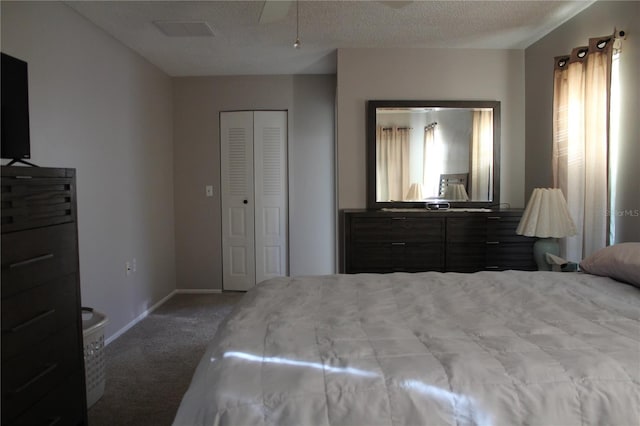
[410, 240]
[42, 351]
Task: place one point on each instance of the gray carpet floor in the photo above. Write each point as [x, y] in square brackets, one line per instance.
[149, 368]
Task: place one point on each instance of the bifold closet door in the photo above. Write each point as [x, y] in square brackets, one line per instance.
[254, 197]
[270, 192]
[236, 168]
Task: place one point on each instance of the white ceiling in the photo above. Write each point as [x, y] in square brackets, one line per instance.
[243, 45]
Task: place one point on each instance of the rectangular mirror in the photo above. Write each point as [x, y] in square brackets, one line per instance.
[427, 152]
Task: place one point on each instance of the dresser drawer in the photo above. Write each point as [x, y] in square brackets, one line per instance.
[33, 315]
[30, 258]
[29, 377]
[470, 257]
[466, 230]
[62, 406]
[396, 257]
[510, 256]
[418, 257]
[397, 229]
[36, 197]
[416, 229]
[365, 229]
[503, 229]
[370, 257]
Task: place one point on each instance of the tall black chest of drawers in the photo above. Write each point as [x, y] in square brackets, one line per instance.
[42, 352]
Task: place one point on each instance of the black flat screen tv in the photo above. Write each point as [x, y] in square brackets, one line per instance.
[16, 143]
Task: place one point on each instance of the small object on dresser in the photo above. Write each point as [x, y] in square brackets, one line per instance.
[438, 206]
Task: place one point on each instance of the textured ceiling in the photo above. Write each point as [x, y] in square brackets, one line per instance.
[243, 45]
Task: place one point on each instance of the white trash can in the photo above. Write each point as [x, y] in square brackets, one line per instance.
[93, 323]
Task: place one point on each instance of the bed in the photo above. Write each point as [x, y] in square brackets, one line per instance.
[489, 348]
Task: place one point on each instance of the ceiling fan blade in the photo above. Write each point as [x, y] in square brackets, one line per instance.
[274, 10]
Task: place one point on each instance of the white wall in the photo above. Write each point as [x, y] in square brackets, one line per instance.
[197, 104]
[100, 108]
[427, 74]
[597, 20]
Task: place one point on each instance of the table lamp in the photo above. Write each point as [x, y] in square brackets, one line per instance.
[546, 217]
[456, 192]
[415, 192]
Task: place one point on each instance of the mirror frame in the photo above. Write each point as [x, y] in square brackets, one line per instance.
[373, 105]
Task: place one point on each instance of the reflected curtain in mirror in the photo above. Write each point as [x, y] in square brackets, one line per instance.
[432, 160]
[392, 162]
[481, 177]
[580, 142]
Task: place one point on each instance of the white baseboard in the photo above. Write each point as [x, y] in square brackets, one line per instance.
[139, 318]
[146, 313]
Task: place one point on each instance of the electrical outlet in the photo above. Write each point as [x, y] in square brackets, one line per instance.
[127, 267]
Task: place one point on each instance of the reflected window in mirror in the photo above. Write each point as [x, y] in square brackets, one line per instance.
[426, 151]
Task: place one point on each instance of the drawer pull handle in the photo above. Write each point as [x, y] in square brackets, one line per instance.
[30, 261]
[493, 267]
[54, 421]
[493, 242]
[32, 320]
[398, 244]
[37, 377]
[494, 217]
[49, 195]
[399, 218]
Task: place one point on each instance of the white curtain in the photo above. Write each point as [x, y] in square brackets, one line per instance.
[481, 175]
[392, 163]
[580, 141]
[431, 163]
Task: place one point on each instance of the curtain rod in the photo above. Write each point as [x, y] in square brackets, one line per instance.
[429, 126]
[398, 128]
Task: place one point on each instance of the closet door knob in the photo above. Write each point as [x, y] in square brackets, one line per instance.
[245, 201]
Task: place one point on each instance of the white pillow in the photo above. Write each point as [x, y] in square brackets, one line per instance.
[620, 262]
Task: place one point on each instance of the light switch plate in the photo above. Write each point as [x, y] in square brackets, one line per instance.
[209, 190]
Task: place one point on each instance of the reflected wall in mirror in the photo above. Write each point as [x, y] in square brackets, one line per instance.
[421, 152]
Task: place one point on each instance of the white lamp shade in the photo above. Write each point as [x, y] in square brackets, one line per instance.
[546, 215]
[456, 192]
[415, 192]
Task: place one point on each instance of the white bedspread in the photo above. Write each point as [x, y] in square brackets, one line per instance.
[491, 348]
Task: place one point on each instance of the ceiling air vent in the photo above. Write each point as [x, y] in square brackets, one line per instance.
[184, 28]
